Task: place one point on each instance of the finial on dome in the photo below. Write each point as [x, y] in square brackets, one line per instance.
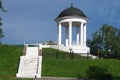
[71, 5]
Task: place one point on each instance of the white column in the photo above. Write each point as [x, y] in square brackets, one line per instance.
[85, 34]
[70, 33]
[59, 34]
[77, 35]
[81, 37]
[67, 34]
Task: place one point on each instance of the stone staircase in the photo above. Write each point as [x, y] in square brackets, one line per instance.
[30, 63]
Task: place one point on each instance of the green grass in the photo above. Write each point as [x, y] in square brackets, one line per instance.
[49, 53]
[60, 67]
[79, 67]
[9, 59]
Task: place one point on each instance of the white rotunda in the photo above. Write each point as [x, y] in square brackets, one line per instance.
[68, 19]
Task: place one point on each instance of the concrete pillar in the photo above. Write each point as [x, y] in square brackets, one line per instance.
[66, 36]
[24, 50]
[40, 50]
[70, 33]
[81, 37]
[59, 34]
[85, 34]
[77, 35]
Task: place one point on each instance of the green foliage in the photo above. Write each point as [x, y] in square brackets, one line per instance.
[1, 7]
[0, 4]
[1, 31]
[105, 39]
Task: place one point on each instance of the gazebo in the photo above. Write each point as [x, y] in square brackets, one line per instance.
[71, 18]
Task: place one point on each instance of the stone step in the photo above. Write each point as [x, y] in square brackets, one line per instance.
[32, 52]
[28, 75]
[30, 63]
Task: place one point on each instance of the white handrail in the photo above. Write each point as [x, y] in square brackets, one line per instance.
[37, 65]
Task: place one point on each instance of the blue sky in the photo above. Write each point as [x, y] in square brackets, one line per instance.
[32, 21]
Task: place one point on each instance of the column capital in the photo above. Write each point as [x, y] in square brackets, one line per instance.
[59, 22]
[83, 23]
[69, 22]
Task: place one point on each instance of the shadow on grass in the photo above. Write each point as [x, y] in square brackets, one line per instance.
[98, 73]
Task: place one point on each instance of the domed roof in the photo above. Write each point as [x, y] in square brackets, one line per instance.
[71, 11]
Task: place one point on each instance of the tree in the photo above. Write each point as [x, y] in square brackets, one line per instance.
[116, 45]
[1, 7]
[104, 40]
[1, 31]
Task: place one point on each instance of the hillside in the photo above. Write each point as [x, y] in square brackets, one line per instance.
[61, 66]
[9, 60]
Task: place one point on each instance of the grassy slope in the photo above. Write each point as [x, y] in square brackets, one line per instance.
[63, 67]
[9, 59]
[79, 66]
